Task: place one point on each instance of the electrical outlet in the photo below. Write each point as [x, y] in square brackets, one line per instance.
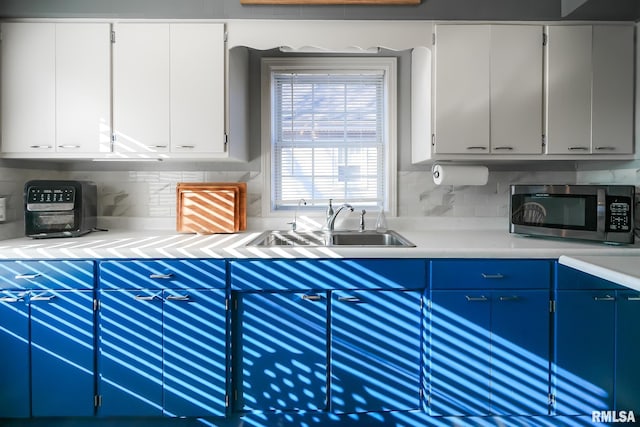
[3, 209]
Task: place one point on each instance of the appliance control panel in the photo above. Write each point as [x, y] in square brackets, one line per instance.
[619, 215]
[41, 198]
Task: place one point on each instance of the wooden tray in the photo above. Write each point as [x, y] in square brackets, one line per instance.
[210, 207]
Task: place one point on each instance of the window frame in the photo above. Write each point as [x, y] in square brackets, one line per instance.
[324, 65]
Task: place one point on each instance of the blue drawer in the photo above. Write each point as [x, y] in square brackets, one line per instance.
[490, 274]
[70, 274]
[162, 274]
[570, 278]
[302, 274]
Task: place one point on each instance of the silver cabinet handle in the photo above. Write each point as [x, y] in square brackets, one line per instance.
[578, 148]
[476, 299]
[156, 146]
[503, 148]
[41, 146]
[492, 276]
[509, 298]
[145, 297]
[311, 297]
[42, 297]
[604, 298]
[349, 299]
[11, 299]
[68, 146]
[606, 148]
[634, 298]
[27, 276]
[178, 298]
[185, 146]
[476, 147]
[161, 276]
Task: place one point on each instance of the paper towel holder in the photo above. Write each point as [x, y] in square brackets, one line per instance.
[459, 174]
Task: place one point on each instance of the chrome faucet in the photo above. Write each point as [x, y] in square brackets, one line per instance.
[294, 223]
[332, 220]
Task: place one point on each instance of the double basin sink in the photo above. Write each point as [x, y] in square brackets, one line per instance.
[277, 238]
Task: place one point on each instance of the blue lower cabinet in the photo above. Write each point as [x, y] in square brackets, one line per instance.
[489, 352]
[194, 352]
[62, 353]
[15, 393]
[280, 351]
[628, 349]
[162, 353]
[130, 353]
[375, 351]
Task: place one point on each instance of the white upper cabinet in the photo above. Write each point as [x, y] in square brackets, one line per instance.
[461, 95]
[488, 89]
[141, 88]
[516, 89]
[55, 89]
[197, 88]
[168, 89]
[83, 88]
[590, 89]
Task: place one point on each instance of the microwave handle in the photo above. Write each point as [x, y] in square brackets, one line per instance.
[601, 212]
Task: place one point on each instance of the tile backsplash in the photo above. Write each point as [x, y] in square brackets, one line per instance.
[152, 194]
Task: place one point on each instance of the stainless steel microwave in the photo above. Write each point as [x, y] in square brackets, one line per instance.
[604, 213]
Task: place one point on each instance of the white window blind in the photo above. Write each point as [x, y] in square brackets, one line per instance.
[328, 138]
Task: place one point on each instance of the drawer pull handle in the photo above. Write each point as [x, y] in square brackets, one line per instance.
[10, 299]
[41, 146]
[476, 299]
[68, 146]
[578, 148]
[145, 297]
[349, 299]
[185, 146]
[509, 298]
[311, 297]
[604, 298]
[178, 298]
[492, 276]
[27, 276]
[606, 148]
[161, 276]
[42, 297]
[476, 147]
[635, 298]
[503, 148]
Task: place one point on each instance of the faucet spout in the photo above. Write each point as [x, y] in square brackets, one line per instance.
[332, 220]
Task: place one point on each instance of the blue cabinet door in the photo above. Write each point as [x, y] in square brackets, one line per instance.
[130, 353]
[62, 353]
[14, 355]
[460, 353]
[194, 352]
[375, 351]
[584, 351]
[281, 351]
[628, 349]
[520, 352]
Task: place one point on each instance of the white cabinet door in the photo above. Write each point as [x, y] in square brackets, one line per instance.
[83, 87]
[28, 87]
[197, 88]
[612, 113]
[568, 109]
[516, 89]
[462, 97]
[590, 89]
[141, 88]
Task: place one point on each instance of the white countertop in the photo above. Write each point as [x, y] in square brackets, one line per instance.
[447, 243]
[623, 270]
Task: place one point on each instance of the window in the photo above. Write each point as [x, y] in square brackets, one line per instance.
[331, 135]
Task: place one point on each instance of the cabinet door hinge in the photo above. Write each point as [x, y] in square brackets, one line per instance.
[226, 36]
[428, 305]
[97, 400]
[552, 399]
[544, 39]
[113, 36]
[433, 39]
[544, 141]
[433, 139]
[226, 400]
[226, 142]
[96, 304]
[552, 306]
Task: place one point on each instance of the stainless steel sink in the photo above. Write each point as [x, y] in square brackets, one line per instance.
[371, 238]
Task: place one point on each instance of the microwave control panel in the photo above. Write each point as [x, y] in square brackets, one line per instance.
[619, 214]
